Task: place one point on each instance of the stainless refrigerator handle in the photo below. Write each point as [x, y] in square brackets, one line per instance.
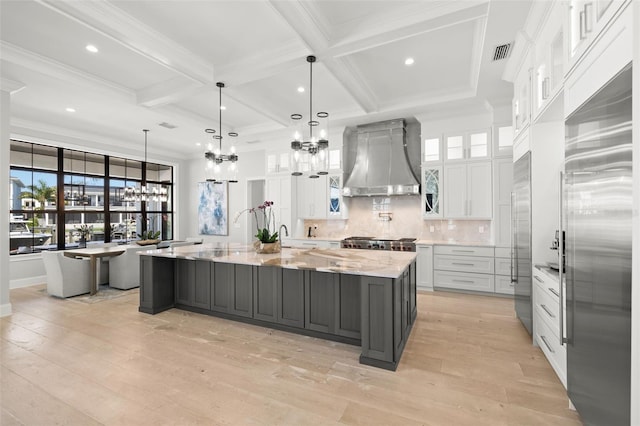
[563, 339]
[513, 238]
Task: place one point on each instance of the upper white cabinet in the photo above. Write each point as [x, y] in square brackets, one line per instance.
[468, 191]
[503, 141]
[522, 96]
[278, 190]
[469, 145]
[549, 59]
[431, 192]
[321, 198]
[586, 19]
[278, 162]
[432, 149]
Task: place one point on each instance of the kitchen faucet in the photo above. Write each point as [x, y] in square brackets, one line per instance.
[286, 231]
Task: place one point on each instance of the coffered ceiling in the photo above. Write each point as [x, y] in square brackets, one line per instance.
[158, 62]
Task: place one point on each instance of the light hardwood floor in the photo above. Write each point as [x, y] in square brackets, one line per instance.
[468, 362]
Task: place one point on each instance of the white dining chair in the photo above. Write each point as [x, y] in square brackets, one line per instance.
[124, 270]
[66, 276]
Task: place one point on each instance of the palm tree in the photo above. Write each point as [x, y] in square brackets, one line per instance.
[42, 193]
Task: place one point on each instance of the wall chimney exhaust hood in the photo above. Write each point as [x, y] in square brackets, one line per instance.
[381, 166]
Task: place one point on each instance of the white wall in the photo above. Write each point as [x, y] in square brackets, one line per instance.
[5, 108]
[251, 165]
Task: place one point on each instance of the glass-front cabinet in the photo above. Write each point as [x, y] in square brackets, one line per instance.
[468, 146]
[431, 192]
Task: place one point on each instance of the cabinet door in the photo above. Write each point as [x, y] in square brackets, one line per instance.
[241, 302]
[455, 190]
[320, 301]
[502, 183]
[377, 314]
[425, 267]
[185, 281]
[347, 304]
[291, 298]
[335, 205]
[479, 191]
[265, 284]
[202, 285]
[312, 197]
[223, 279]
[431, 192]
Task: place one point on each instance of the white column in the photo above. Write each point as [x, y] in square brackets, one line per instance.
[7, 87]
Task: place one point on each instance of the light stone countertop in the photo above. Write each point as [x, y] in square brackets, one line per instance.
[385, 264]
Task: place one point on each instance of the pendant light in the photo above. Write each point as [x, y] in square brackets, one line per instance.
[214, 156]
[313, 150]
[143, 194]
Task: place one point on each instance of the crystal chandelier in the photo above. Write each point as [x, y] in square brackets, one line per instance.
[214, 155]
[310, 154]
[143, 193]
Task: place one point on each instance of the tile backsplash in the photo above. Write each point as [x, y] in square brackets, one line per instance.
[366, 218]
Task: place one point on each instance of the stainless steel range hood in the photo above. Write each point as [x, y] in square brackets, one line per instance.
[381, 166]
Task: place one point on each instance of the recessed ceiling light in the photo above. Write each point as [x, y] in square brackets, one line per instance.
[91, 48]
[409, 61]
[300, 89]
[222, 107]
[198, 144]
[69, 109]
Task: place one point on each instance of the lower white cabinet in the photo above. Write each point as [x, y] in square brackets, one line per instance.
[310, 243]
[547, 320]
[464, 268]
[424, 262]
[503, 271]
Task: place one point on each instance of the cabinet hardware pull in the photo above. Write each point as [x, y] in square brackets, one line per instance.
[587, 9]
[547, 345]
[462, 251]
[538, 279]
[563, 339]
[462, 264]
[553, 290]
[547, 311]
[463, 281]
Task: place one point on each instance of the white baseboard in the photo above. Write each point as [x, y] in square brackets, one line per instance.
[27, 282]
[5, 310]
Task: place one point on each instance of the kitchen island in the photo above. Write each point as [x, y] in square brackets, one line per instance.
[364, 298]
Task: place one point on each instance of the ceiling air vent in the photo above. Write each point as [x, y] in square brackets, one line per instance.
[167, 125]
[502, 52]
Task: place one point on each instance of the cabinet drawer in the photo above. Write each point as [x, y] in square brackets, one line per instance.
[549, 284]
[547, 307]
[480, 265]
[503, 266]
[555, 352]
[463, 281]
[504, 252]
[464, 250]
[307, 243]
[504, 285]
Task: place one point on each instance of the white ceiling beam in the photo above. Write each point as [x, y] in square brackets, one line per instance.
[307, 24]
[11, 86]
[110, 21]
[477, 52]
[167, 92]
[46, 66]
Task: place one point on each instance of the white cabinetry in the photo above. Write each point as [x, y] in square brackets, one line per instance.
[522, 96]
[549, 59]
[431, 191]
[312, 197]
[547, 320]
[278, 190]
[502, 185]
[467, 190]
[464, 268]
[424, 264]
[468, 145]
[278, 162]
[503, 271]
[310, 243]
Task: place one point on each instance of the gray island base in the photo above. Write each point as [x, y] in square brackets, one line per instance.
[359, 297]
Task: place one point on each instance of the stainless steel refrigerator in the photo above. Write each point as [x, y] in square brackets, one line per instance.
[597, 215]
[521, 240]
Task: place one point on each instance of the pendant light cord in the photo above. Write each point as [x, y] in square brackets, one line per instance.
[220, 119]
[310, 100]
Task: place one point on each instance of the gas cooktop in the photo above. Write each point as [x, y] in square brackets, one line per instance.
[379, 243]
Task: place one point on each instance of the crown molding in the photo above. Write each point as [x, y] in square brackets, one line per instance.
[477, 52]
[11, 86]
[110, 21]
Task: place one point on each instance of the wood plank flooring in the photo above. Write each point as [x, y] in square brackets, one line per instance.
[468, 361]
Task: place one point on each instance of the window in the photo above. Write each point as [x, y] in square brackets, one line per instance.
[53, 191]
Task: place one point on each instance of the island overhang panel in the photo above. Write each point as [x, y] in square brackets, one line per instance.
[364, 298]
